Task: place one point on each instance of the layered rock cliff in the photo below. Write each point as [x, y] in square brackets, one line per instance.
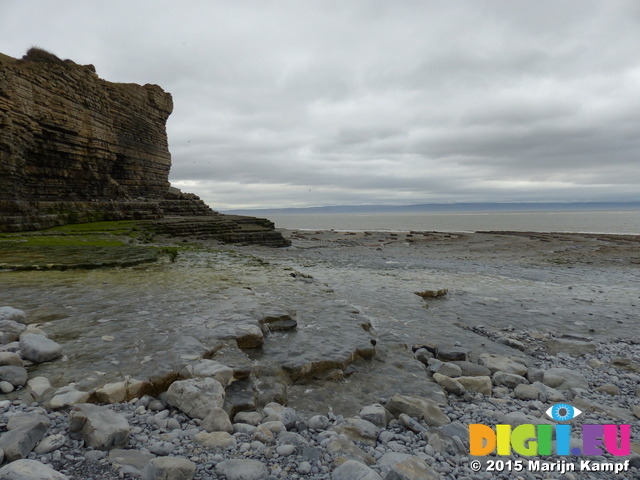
[76, 148]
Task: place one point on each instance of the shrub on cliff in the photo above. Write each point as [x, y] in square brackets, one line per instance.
[37, 54]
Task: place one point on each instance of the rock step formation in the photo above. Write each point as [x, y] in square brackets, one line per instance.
[226, 228]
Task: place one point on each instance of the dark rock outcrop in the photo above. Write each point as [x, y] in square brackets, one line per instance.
[75, 148]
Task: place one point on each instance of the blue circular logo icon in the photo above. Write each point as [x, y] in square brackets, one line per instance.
[563, 412]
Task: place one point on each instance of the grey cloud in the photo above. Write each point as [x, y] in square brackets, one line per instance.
[372, 101]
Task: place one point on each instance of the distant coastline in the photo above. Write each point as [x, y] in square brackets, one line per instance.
[613, 220]
[439, 208]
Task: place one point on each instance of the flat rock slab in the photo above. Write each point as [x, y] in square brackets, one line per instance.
[574, 348]
[419, 407]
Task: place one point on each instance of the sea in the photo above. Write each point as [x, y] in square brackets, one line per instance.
[583, 221]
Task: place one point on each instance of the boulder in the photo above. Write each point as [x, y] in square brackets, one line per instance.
[548, 394]
[509, 380]
[500, 363]
[132, 460]
[411, 424]
[473, 369]
[449, 384]
[358, 430]
[526, 392]
[444, 368]
[250, 418]
[112, 392]
[249, 336]
[10, 358]
[423, 355]
[10, 331]
[510, 342]
[10, 313]
[476, 384]
[214, 440]
[376, 414]
[196, 396]
[100, 427]
[343, 449]
[16, 376]
[217, 421]
[276, 412]
[564, 379]
[418, 407]
[38, 386]
[24, 431]
[39, 349]
[278, 322]
[320, 422]
[29, 470]
[169, 468]
[452, 354]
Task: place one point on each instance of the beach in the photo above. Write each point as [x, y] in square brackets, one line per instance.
[377, 315]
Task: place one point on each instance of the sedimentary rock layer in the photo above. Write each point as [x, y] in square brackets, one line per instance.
[74, 147]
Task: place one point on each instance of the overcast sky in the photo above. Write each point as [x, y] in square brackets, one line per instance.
[306, 103]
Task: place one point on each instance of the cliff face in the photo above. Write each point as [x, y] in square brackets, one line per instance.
[71, 144]
[75, 148]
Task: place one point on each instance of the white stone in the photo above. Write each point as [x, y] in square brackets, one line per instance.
[50, 443]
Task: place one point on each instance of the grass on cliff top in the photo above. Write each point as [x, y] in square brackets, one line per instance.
[86, 245]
